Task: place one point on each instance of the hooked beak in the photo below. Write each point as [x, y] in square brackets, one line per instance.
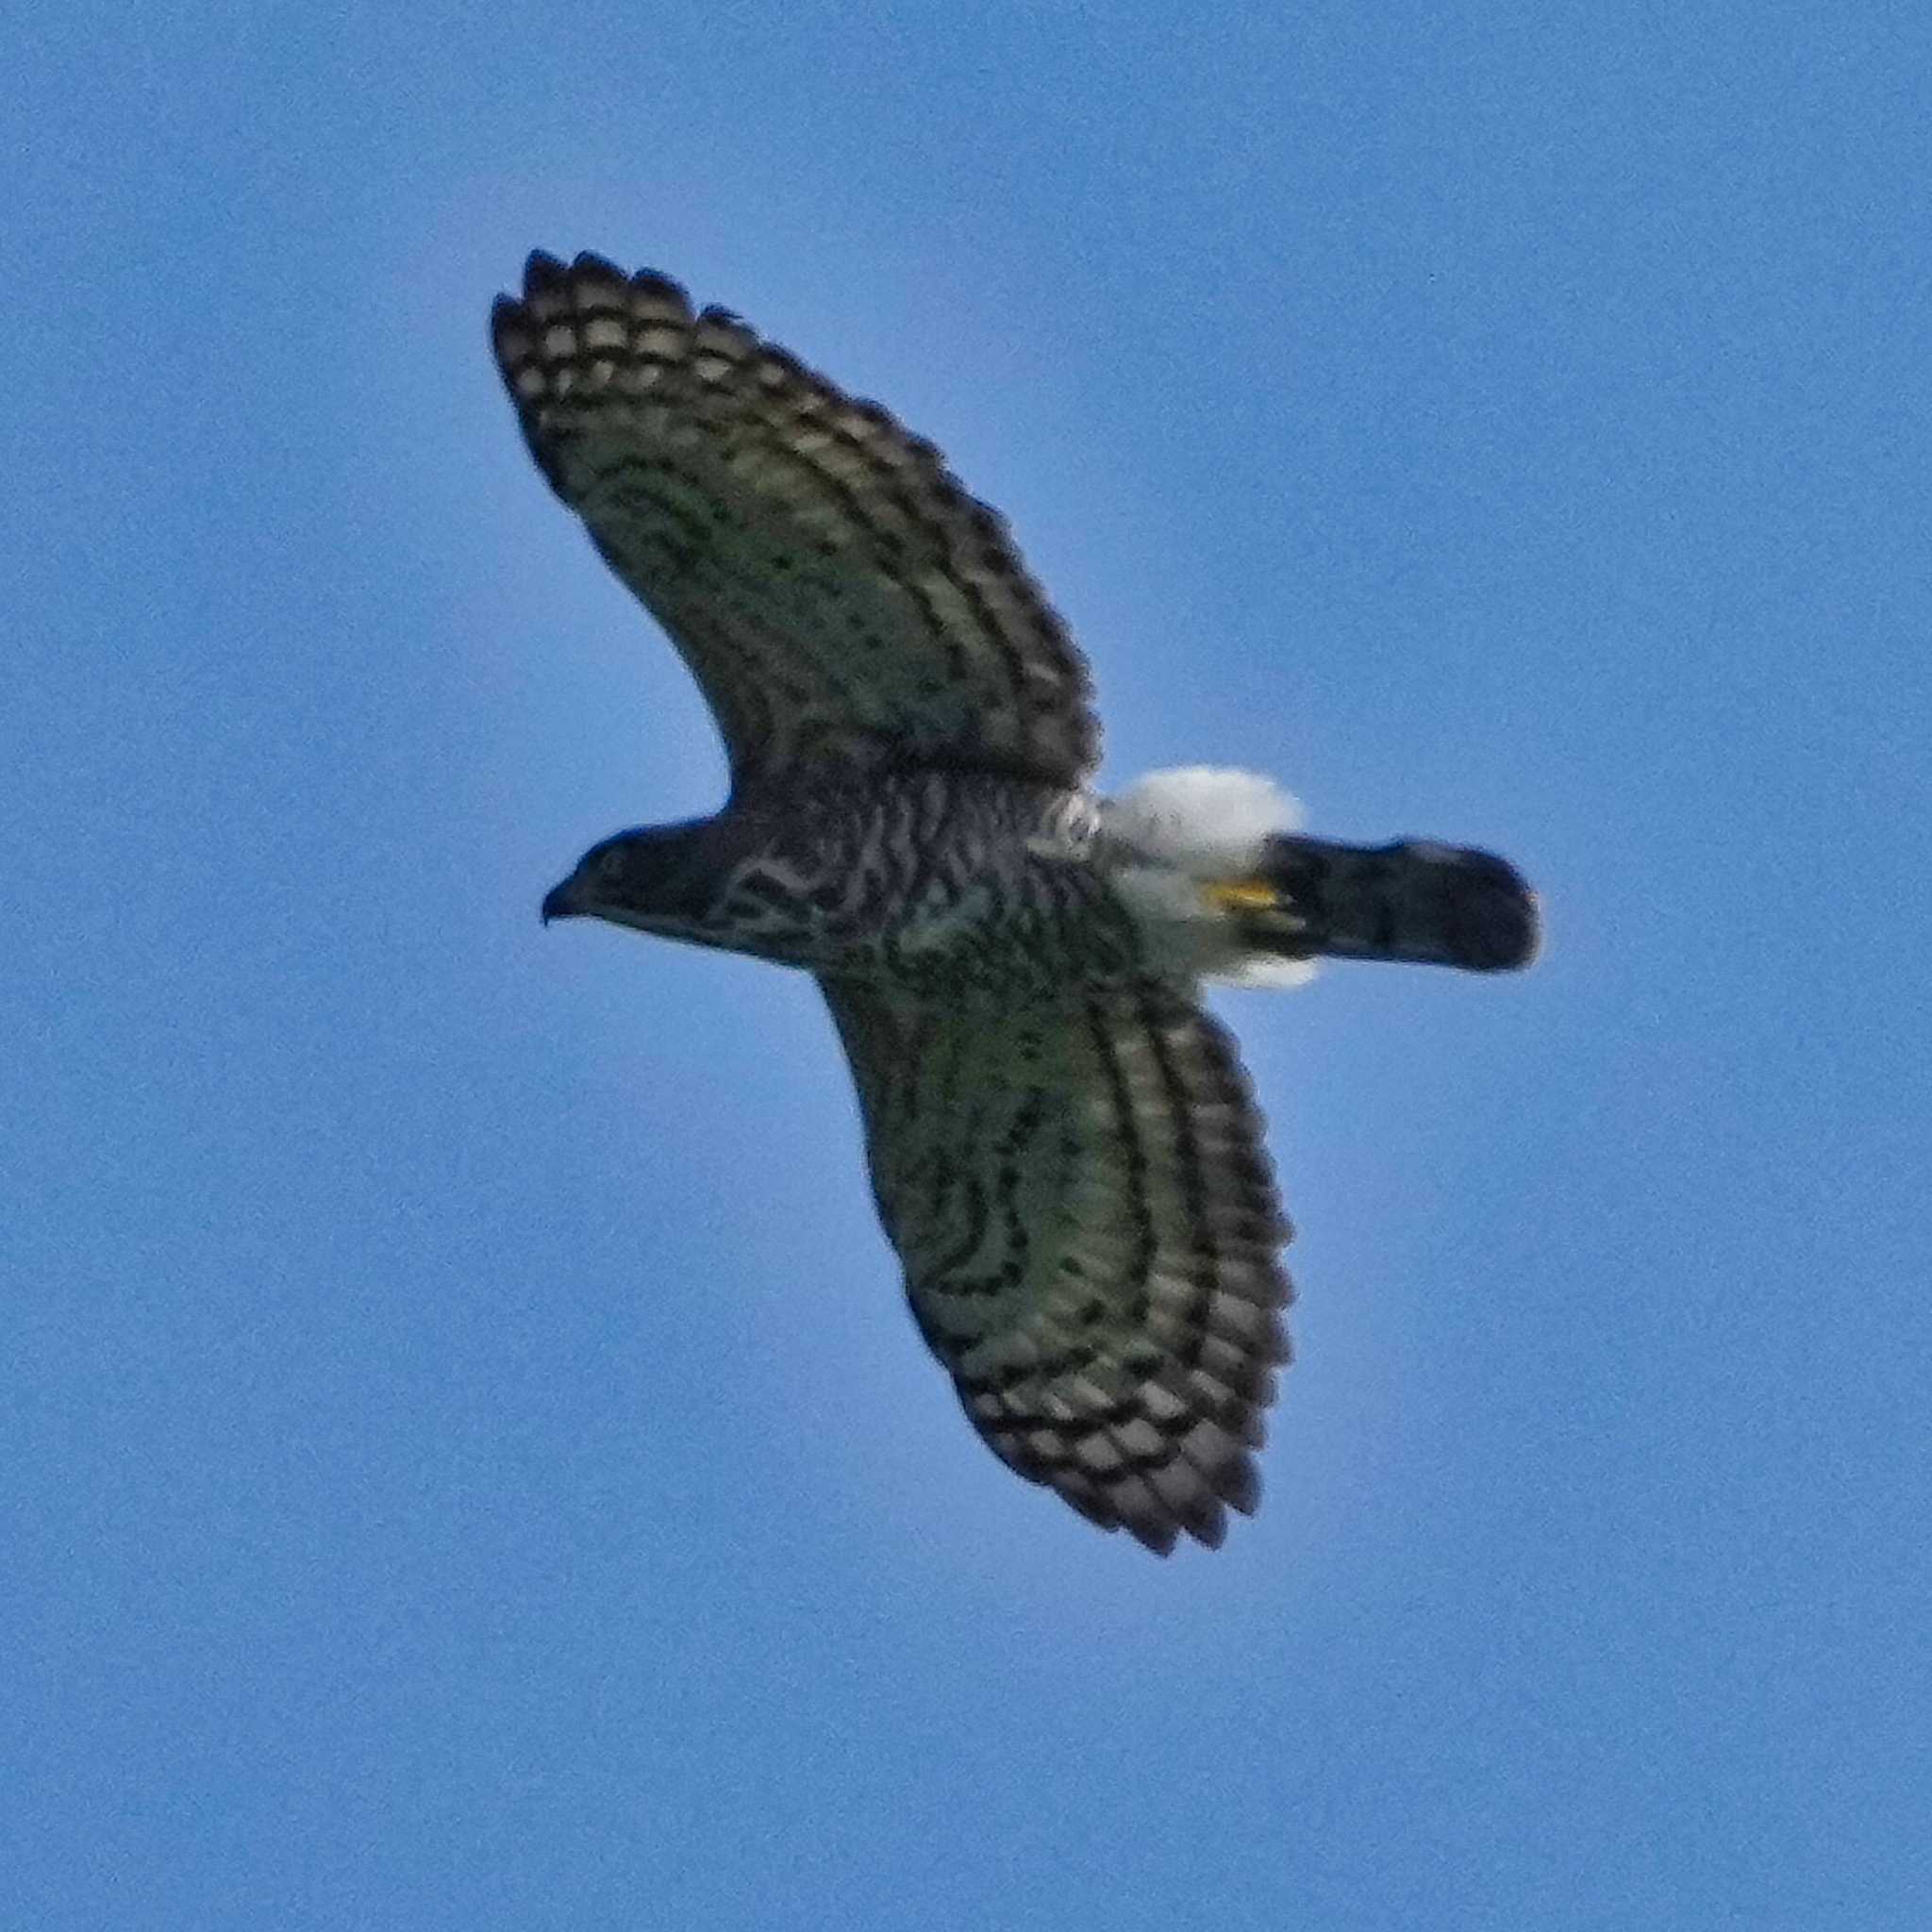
[557, 904]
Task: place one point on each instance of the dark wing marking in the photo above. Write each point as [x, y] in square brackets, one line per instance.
[832, 587]
[1088, 1225]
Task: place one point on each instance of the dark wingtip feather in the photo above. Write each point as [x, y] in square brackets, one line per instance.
[1238, 1485]
[1200, 1515]
[505, 313]
[1158, 1537]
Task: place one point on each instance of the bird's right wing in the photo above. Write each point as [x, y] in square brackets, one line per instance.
[835, 592]
[1088, 1225]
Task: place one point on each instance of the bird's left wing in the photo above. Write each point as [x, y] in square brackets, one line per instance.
[1089, 1226]
[836, 593]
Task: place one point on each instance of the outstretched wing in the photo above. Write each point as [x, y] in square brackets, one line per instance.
[1089, 1226]
[834, 589]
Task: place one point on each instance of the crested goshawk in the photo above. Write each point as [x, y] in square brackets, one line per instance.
[1062, 1143]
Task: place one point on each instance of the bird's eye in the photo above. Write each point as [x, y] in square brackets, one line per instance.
[610, 866]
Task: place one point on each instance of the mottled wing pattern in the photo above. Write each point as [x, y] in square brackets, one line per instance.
[1089, 1226]
[834, 589]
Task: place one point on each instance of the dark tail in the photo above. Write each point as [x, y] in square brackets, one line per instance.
[1438, 905]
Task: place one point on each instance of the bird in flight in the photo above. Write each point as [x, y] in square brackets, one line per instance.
[1063, 1147]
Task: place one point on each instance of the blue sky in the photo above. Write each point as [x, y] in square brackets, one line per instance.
[463, 1459]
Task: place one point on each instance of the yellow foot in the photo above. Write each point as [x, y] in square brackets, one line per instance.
[1240, 895]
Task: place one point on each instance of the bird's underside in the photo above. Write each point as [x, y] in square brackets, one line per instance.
[1063, 1147]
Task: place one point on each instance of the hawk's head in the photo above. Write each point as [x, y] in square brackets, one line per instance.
[658, 878]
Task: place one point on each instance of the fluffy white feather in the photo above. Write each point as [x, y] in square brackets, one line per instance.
[1207, 821]
[1173, 830]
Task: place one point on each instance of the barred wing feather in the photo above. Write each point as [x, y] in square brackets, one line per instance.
[834, 589]
[1089, 1226]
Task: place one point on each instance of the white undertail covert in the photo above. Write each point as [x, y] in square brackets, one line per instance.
[1174, 833]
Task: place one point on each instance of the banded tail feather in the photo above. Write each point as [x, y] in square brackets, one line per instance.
[1414, 900]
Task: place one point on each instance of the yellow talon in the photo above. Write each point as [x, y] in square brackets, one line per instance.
[1242, 895]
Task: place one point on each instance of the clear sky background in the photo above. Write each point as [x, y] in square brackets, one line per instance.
[463, 1459]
